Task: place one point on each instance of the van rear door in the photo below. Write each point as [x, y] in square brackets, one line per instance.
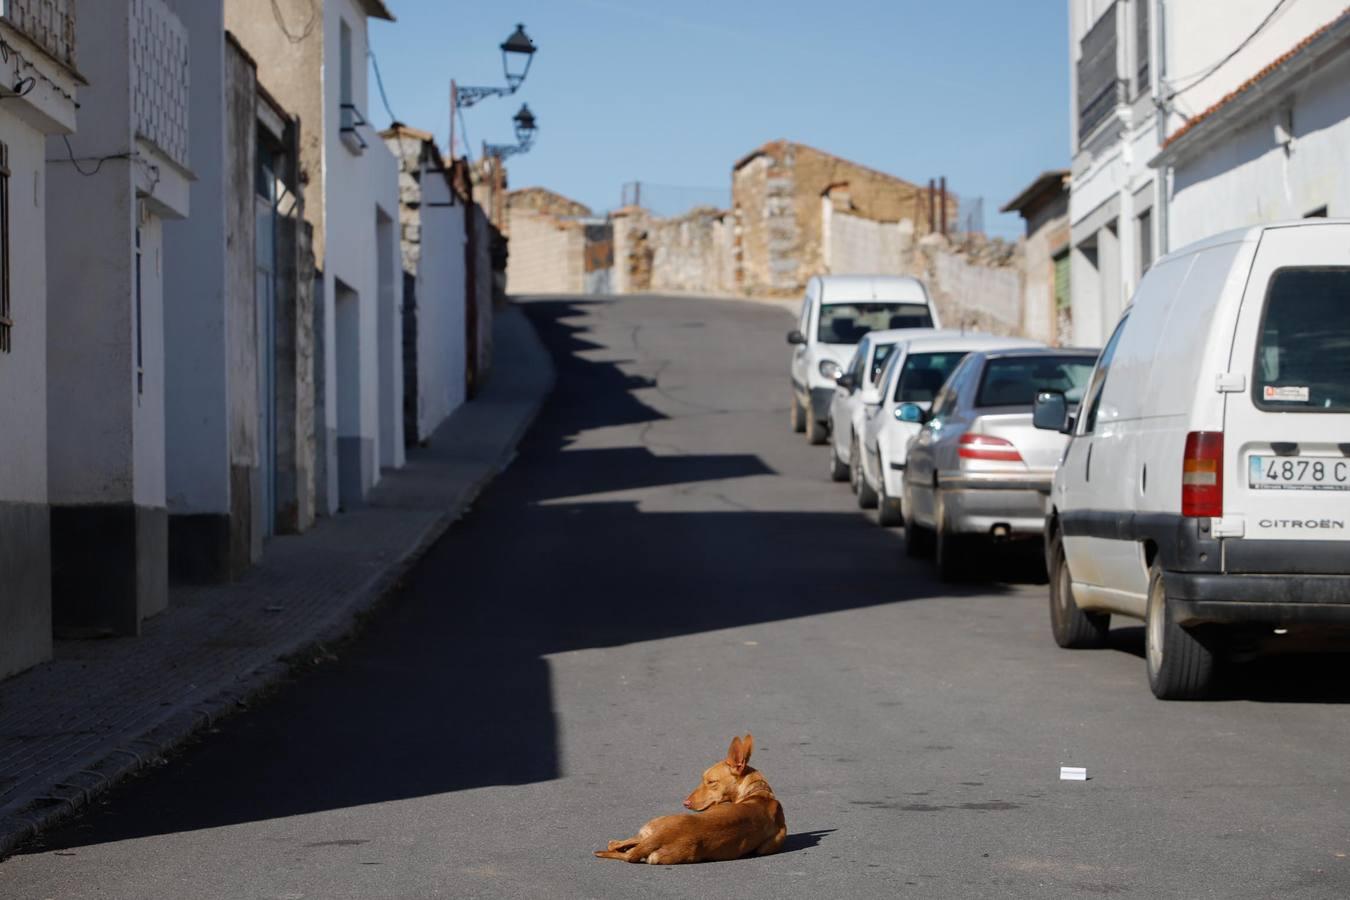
[1287, 407]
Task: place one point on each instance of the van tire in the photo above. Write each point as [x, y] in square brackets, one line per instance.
[839, 470]
[1180, 667]
[816, 432]
[1073, 629]
[797, 415]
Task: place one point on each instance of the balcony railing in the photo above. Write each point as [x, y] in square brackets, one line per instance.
[48, 23]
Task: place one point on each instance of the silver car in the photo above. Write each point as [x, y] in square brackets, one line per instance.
[978, 466]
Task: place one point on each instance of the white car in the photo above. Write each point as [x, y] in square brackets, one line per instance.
[855, 392]
[916, 369]
[836, 312]
[1204, 487]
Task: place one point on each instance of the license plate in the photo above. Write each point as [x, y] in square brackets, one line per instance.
[1299, 473]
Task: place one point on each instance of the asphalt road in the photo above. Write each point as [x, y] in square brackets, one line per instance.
[666, 565]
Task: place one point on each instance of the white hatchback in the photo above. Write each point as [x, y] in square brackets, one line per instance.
[1204, 487]
[855, 395]
[914, 372]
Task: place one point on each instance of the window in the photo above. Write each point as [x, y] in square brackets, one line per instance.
[945, 401]
[1094, 392]
[1014, 380]
[6, 323]
[1098, 82]
[1141, 46]
[879, 361]
[1145, 242]
[140, 344]
[1303, 352]
[846, 323]
[924, 374]
[351, 119]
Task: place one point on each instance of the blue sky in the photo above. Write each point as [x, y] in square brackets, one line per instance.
[673, 93]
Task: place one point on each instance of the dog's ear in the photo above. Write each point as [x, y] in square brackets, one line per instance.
[738, 757]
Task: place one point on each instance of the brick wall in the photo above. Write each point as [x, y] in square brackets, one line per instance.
[159, 88]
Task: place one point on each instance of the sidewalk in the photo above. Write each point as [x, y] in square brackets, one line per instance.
[102, 709]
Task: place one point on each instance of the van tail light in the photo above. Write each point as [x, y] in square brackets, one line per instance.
[1202, 475]
[987, 447]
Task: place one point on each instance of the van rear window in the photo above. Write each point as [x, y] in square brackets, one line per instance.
[1303, 354]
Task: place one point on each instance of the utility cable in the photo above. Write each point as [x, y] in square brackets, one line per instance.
[309, 26]
[1280, 4]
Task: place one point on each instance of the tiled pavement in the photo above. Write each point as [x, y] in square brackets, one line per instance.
[102, 709]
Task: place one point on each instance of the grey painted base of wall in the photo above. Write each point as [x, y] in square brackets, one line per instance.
[356, 470]
[328, 473]
[110, 568]
[212, 548]
[26, 595]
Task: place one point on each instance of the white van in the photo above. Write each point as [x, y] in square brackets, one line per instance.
[1206, 488]
[836, 312]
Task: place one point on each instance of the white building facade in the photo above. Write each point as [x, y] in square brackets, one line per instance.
[1191, 118]
[42, 38]
[109, 196]
[312, 56]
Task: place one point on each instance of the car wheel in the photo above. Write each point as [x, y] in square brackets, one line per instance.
[1073, 628]
[797, 415]
[867, 498]
[889, 513]
[816, 432]
[839, 470]
[948, 545]
[1180, 667]
[918, 540]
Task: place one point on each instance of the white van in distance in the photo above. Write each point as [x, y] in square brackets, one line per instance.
[1206, 487]
[836, 312]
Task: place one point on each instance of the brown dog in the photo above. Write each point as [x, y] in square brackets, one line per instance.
[739, 816]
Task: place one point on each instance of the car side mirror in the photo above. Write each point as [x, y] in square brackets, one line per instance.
[796, 337]
[846, 382]
[1050, 412]
[911, 412]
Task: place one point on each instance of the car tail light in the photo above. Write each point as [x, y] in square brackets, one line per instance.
[1202, 475]
[987, 447]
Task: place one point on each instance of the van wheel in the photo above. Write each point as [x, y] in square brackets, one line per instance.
[889, 513]
[948, 546]
[816, 432]
[1180, 667]
[797, 415]
[867, 498]
[1073, 628]
[839, 470]
[918, 540]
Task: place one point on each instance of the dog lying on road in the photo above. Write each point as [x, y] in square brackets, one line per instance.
[738, 816]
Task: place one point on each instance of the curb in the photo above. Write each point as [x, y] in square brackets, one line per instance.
[79, 788]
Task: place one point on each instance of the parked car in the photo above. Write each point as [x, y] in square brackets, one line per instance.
[1204, 489]
[855, 392]
[836, 312]
[915, 371]
[978, 467]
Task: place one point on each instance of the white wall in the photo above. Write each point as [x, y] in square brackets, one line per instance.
[23, 370]
[442, 279]
[197, 458]
[1249, 179]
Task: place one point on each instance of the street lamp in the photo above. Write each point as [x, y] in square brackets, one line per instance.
[517, 54]
[526, 126]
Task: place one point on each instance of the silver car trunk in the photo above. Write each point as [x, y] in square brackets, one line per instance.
[1040, 449]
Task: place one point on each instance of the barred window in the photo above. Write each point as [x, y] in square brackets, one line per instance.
[6, 323]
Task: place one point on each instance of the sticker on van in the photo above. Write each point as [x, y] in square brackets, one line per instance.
[1285, 394]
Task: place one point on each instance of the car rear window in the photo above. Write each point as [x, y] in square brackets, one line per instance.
[879, 360]
[846, 323]
[923, 375]
[1014, 380]
[1303, 354]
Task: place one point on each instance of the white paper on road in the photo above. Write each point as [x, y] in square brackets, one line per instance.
[1072, 773]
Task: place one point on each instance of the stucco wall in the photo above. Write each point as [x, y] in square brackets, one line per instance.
[442, 278]
[547, 256]
[1248, 179]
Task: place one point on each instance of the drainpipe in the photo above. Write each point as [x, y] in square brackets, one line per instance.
[1162, 181]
